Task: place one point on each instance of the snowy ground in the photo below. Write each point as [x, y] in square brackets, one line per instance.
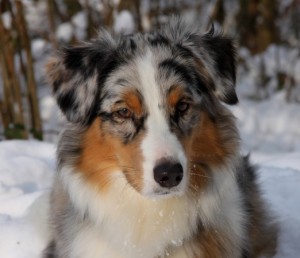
[26, 171]
[270, 128]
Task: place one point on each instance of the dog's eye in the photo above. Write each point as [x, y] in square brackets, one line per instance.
[183, 107]
[124, 113]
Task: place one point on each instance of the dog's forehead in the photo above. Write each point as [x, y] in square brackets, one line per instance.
[141, 72]
[147, 67]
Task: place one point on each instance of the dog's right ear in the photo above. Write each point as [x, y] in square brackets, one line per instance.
[74, 75]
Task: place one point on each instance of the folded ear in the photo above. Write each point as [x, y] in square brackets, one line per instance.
[219, 56]
[214, 51]
[74, 76]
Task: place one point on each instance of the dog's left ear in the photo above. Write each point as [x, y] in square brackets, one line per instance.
[215, 52]
[219, 56]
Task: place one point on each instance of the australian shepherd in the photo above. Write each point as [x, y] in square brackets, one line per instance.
[149, 164]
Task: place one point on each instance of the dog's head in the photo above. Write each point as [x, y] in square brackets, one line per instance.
[151, 105]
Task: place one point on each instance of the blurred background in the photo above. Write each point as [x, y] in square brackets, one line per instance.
[267, 33]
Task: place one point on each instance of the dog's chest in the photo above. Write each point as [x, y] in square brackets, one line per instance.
[94, 245]
[122, 223]
[135, 227]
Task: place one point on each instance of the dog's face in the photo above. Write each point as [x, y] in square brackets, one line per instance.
[153, 104]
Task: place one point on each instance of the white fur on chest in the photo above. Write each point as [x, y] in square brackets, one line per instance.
[128, 222]
[124, 224]
[95, 246]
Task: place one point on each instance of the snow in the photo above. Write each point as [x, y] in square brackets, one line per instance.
[52, 118]
[36, 15]
[65, 32]
[271, 126]
[124, 23]
[80, 23]
[76, 27]
[258, 74]
[26, 172]
[38, 47]
[281, 187]
[270, 129]
[6, 19]
[297, 68]
[80, 20]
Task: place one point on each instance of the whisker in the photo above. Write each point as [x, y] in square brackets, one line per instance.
[199, 175]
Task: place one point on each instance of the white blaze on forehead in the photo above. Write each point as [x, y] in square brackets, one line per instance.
[159, 141]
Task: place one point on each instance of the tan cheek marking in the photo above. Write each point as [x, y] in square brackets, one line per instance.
[131, 160]
[98, 159]
[198, 175]
[103, 155]
[205, 149]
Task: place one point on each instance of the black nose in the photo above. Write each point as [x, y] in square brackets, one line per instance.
[168, 174]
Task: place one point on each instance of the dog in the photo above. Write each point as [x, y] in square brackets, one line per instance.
[149, 164]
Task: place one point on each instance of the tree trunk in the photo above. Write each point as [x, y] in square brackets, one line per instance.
[12, 115]
[31, 84]
[51, 20]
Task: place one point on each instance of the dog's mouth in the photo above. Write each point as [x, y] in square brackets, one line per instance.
[159, 193]
[162, 193]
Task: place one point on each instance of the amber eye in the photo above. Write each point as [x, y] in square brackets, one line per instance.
[124, 113]
[182, 107]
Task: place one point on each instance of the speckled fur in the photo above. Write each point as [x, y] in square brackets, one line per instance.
[98, 208]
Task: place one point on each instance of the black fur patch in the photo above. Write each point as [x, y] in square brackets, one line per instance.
[67, 100]
[105, 116]
[157, 40]
[56, 84]
[223, 52]
[183, 52]
[202, 85]
[231, 98]
[111, 63]
[128, 44]
[133, 45]
[73, 58]
[172, 66]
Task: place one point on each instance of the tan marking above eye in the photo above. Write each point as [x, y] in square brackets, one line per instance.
[133, 102]
[174, 96]
[178, 100]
